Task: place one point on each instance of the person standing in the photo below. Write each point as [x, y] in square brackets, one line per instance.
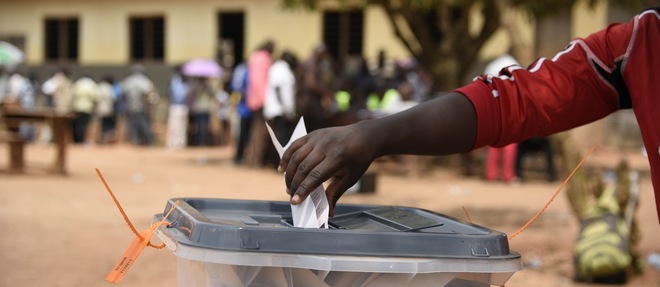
[258, 66]
[177, 119]
[57, 91]
[58, 88]
[279, 105]
[119, 112]
[140, 96]
[85, 93]
[238, 84]
[313, 93]
[224, 113]
[21, 92]
[201, 102]
[105, 111]
[364, 85]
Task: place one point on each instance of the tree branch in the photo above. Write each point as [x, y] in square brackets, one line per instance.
[418, 26]
[391, 16]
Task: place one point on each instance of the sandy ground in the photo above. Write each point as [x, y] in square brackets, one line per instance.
[65, 230]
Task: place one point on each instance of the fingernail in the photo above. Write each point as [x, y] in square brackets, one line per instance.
[279, 168]
[295, 199]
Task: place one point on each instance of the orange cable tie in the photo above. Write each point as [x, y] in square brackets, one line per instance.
[467, 214]
[553, 196]
[121, 210]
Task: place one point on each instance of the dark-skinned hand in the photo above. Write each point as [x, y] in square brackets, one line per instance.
[338, 154]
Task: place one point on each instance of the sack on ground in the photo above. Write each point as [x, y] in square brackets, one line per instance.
[601, 250]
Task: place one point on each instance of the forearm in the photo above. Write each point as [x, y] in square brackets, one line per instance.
[444, 125]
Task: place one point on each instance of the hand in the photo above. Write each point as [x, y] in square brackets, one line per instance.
[444, 125]
[341, 154]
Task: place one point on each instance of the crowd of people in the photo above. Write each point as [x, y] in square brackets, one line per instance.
[277, 89]
[85, 99]
[263, 88]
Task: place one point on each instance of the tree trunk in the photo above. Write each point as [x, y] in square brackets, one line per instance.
[445, 74]
[447, 49]
[521, 50]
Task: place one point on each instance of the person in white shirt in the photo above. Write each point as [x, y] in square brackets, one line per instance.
[279, 105]
[105, 110]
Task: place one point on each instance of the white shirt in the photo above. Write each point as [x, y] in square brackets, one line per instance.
[280, 75]
[105, 102]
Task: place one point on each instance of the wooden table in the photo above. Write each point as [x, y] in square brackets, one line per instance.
[61, 127]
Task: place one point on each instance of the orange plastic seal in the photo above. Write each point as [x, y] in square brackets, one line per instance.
[132, 253]
[141, 241]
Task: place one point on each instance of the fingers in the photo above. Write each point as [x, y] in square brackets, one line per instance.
[309, 175]
[338, 186]
[295, 163]
[310, 161]
[286, 157]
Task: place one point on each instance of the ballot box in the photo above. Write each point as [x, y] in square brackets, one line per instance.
[221, 242]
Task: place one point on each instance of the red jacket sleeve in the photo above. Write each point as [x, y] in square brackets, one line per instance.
[576, 87]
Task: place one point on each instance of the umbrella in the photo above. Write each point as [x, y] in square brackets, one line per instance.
[205, 68]
[10, 55]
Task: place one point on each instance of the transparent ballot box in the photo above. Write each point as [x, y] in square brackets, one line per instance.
[220, 242]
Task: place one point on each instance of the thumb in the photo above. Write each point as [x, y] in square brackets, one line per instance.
[336, 189]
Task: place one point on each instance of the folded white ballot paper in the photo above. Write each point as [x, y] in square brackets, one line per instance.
[313, 211]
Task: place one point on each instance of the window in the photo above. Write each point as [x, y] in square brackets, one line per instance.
[147, 38]
[61, 39]
[342, 32]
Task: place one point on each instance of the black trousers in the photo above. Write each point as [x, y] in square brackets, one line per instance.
[79, 125]
[243, 139]
[534, 145]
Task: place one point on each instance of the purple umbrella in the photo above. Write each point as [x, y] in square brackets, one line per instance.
[204, 68]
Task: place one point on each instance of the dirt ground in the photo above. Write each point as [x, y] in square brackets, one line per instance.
[65, 230]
